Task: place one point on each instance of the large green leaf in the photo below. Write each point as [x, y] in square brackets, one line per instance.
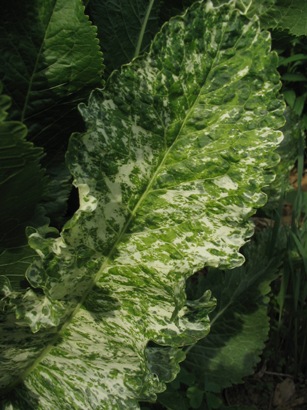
[124, 27]
[21, 179]
[239, 325]
[290, 15]
[178, 147]
[49, 61]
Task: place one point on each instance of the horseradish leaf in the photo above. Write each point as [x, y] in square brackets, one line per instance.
[178, 147]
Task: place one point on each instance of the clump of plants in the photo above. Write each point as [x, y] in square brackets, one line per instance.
[180, 133]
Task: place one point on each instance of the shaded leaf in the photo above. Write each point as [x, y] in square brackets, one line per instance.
[43, 55]
[13, 264]
[49, 62]
[291, 15]
[288, 152]
[124, 28]
[21, 180]
[239, 324]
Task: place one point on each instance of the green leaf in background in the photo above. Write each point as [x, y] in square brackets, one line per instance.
[287, 150]
[178, 147]
[13, 264]
[239, 324]
[21, 180]
[170, 8]
[294, 77]
[290, 15]
[49, 61]
[125, 27]
[300, 58]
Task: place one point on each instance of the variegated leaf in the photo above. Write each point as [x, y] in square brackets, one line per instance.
[178, 147]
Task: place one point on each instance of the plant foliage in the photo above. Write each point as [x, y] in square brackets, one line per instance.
[178, 147]
[20, 173]
[239, 328]
[290, 16]
[124, 28]
[49, 62]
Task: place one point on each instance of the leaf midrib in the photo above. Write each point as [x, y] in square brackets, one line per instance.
[143, 28]
[156, 173]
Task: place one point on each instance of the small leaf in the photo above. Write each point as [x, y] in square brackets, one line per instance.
[213, 401]
[290, 97]
[195, 397]
[300, 104]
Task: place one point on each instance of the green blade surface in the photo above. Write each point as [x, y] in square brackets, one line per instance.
[124, 28]
[21, 179]
[49, 62]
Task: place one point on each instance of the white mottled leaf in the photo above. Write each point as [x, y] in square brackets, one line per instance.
[178, 148]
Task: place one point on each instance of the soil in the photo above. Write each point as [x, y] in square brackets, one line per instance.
[269, 391]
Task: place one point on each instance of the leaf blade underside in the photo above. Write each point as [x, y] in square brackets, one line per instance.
[178, 148]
